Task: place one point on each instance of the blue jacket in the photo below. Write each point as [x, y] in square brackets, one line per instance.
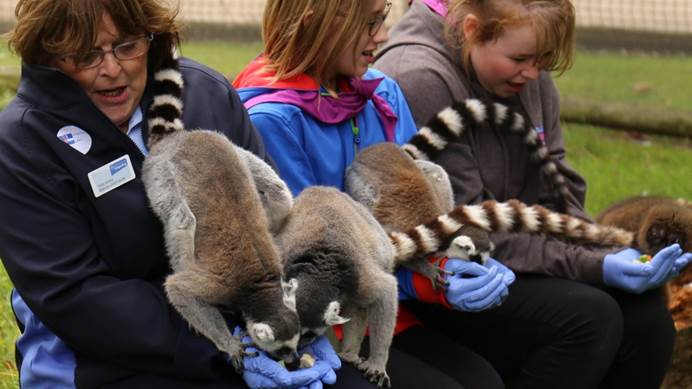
[88, 271]
[308, 152]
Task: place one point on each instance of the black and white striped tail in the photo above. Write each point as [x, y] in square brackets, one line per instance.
[510, 216]
[166, 110]
[450, 123]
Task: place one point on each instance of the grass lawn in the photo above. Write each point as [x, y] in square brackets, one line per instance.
[614, 163]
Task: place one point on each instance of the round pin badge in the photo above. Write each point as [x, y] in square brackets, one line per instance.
[77, 138]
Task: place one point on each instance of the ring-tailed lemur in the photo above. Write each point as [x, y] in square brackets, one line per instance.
[342, 260]
[402, 193]
[205, 191]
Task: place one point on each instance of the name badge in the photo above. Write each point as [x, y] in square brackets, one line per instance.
[111, 175]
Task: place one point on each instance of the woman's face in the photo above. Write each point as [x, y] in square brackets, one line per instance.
[504, 66]
[115, 86]
[353, 61]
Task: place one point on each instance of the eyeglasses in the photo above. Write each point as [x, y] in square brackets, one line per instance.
[123, 52]
[375, 25]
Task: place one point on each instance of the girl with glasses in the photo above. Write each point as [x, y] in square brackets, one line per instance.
[575, 317]
[316, 102]
[86, 256]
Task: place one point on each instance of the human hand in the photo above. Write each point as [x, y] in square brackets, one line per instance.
[323, 351]
[473, 287]
[262, 372]
[624, 270]
[680, 264]
[507, 274]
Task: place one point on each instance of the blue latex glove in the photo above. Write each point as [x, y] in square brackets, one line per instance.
[624, 270]
[262, 372]
[473, 287]
[507, 274]
[323, 351]
[680, 264]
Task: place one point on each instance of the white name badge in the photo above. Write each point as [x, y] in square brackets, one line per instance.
[111, 175]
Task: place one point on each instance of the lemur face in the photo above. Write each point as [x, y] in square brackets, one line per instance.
[279, 334]
[330, 316]
[666, 226]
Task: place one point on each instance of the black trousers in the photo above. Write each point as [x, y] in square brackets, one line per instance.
[555, 333]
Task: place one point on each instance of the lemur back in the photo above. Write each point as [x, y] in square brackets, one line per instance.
[217, 232]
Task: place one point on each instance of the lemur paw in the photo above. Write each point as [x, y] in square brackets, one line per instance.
[375, 374]
[351, 358]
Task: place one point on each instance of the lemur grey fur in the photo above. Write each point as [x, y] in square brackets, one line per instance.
[451, 122]
[342, 260]
[402, 193]
[209, 195]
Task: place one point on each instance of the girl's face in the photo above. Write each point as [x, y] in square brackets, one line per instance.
[505, 65]
[353, 61]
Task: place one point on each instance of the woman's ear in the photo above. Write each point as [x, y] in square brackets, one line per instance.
[307, 19]
[469, 26]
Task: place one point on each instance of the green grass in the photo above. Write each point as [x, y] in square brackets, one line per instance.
[224, 57]
[614, 164]
[637, 80]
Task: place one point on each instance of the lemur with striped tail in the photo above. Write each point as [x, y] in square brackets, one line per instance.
[402, 188]
[209, 195]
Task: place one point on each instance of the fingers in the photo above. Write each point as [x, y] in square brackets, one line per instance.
[488, 295]
[329, 378]
[663, 262]
[254, 380]
[462, 285]
[681, 263]
[462, 266]
[323, 350]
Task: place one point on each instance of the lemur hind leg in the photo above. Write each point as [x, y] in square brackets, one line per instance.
[354, 332]
[193, 294]
[381, 321]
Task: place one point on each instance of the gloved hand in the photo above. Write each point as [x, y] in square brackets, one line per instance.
[323, 351]
[680, 264]
[624, 270]
[507, 274]
[262, 372]
[473, 287]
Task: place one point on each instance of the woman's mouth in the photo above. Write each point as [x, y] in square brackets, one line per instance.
[113, 96]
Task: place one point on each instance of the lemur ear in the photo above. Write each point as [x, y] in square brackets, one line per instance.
[331, 314]
[289, 288]
[262, 332]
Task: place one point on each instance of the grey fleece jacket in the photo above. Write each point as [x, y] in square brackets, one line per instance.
[487, 164]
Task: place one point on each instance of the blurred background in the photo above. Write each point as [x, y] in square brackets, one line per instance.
[625, 106]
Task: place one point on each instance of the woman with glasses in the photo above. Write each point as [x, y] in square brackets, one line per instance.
[316, 103]
[79, 242]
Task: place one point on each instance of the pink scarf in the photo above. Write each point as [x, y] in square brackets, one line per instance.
[439, 6]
